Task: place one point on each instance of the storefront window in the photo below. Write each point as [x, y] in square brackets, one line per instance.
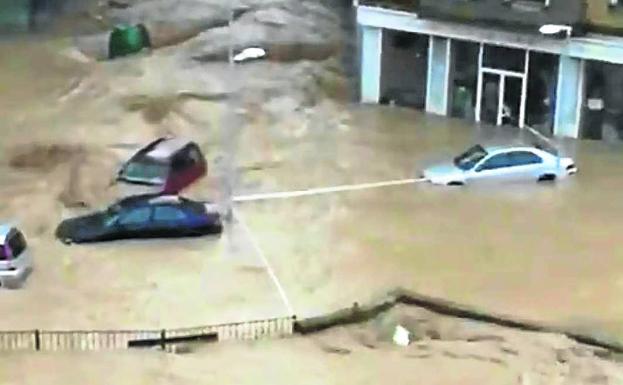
[602, 108]
[404, 68]
[504, 58]
[541, 96]
[464, 79]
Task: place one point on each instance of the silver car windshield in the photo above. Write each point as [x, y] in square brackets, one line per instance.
[469, 158]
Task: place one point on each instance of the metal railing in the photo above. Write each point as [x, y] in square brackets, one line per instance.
[92, 340]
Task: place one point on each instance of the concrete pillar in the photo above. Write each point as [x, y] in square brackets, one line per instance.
[439, 65]
[371, 51]
[569, 94]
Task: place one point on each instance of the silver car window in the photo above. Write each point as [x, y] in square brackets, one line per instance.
[524, 158]
[496, 162]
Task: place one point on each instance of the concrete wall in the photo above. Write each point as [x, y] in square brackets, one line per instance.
[439, 60]
[569, 96]
[513, 15]
[371, 49]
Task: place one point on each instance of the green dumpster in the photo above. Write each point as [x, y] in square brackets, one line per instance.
[14, 15]
[126, 40]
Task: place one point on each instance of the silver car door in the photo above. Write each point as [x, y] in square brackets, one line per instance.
[493, 169]
[525, 165]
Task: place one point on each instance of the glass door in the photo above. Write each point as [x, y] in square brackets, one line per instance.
[512, 101]
[502, 85]
[490, 100]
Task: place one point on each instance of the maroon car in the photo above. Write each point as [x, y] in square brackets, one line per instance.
[165, 166]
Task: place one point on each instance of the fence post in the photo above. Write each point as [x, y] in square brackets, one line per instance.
[163, 338]
[37, 340]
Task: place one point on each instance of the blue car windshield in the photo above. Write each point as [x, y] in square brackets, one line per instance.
[469, 158]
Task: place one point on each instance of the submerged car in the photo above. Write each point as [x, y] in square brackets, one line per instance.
[501, 164]
[165, 166]
[15, 259]
[144, 216]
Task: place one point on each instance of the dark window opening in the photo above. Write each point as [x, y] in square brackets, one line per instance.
[504, 58]
[404, 69]
[541, 96]
[602, 107]
[464, 75]
[403, 40]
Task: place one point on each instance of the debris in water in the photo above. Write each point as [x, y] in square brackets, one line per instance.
[248, 54]
[401, 336]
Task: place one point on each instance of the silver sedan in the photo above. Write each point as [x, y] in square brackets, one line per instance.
[501, 164]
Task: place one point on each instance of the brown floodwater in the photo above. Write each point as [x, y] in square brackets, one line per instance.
[545, 253]
[542, 252]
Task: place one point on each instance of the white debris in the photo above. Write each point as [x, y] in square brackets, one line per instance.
[553, 29]
[401, 336]
[250, 54]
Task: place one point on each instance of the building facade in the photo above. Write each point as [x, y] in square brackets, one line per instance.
[554, 65]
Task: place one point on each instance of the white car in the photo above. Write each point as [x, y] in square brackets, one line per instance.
[501, 164]
[15, 259]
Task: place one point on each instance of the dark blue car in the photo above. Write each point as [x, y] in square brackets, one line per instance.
[143, 216]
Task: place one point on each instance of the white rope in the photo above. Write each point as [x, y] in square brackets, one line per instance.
[262, 256]
[324, 190]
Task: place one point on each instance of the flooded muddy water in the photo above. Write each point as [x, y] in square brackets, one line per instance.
[542, 252]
